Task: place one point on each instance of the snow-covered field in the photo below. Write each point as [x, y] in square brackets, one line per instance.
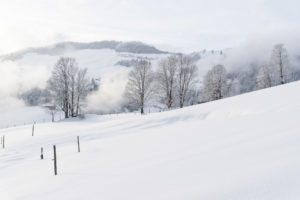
[244, 147]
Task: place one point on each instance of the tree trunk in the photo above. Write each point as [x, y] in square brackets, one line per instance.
[77, 107]
[52, 116]
[170, 100]
[66, 110]
[281, 68]
[181, 99]
[181, 103]
[281, 73]
[66, 114]
[72, 104]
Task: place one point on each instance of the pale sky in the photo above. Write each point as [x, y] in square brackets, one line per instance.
[185, 25]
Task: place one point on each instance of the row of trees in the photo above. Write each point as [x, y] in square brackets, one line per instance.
[174, 81]
[277, 71]
[176, 78]
[68, 86]
[173, 84]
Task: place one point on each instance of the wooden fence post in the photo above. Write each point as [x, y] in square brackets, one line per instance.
[42, 153]
[33, 128]
[55, 161]
[78, 143]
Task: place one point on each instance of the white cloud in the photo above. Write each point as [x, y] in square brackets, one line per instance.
[188, 24]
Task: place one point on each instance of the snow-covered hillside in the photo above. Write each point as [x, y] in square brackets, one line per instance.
[111, 61]
[244, 147]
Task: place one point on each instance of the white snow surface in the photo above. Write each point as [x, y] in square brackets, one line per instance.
[244, 147]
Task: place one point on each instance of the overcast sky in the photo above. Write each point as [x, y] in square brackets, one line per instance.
[185, 25]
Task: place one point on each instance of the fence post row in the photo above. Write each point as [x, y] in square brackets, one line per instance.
[42, 150]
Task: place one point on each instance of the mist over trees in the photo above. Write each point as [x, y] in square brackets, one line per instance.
[173, 83]
[35, 97]
[263, 79]
[68, 86]
[177, 83]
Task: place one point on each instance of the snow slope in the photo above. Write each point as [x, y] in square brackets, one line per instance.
[244, 147]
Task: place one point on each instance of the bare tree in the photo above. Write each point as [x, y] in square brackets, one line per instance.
[73, 69]
[279, 65]
[187, 71]
[166, 79]
[214, 84]
[139, 86]
[67, 86]
[82, 88]
[59, 84]
[263, 79]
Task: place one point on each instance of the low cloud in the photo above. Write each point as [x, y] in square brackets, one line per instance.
[16, 78]
[256, 51]
[109, 97]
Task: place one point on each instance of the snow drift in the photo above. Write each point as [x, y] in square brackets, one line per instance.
[244, 147]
